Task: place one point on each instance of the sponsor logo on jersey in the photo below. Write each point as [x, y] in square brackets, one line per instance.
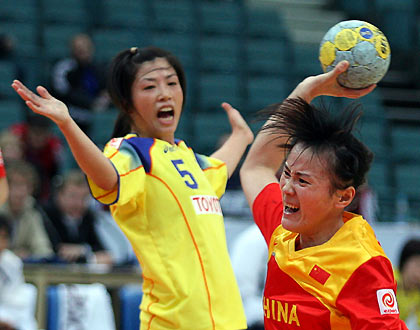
[387, 301]
[115, 142]
[204, 204]
[281, 312]
[168, 148]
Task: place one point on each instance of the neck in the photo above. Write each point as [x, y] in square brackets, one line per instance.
[319, 237]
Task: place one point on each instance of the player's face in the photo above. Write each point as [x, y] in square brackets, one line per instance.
[309, 206]
[157, 98]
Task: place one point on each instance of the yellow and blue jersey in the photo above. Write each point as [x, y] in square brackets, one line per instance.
[167, 204]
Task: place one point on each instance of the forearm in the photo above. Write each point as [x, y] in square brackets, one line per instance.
[232, 151]
[89, 157]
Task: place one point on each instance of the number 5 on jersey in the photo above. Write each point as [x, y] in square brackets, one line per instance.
[189, 179]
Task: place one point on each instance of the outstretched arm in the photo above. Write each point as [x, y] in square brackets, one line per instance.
[234, 147]
[88, 156]
[265, 157]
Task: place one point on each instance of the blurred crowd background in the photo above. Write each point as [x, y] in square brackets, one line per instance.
[248, 53]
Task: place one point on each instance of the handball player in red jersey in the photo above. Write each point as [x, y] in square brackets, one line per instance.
[326, 269]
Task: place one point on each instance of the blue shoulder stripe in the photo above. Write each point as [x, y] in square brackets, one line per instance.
[142, 147]
[202, 161]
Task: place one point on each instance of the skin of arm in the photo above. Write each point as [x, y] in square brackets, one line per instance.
[265, 157]
[4, 190]
[234, 147]
[88, 156]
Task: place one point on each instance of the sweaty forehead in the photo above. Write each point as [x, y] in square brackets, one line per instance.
[155, 67]
[304, 159]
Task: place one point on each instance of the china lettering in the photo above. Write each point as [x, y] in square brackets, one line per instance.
[275, 310]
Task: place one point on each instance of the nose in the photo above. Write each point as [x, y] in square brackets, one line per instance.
[165, 93]
[287, 186]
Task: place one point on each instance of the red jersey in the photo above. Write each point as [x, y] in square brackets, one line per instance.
[2, 168]
[345, 283]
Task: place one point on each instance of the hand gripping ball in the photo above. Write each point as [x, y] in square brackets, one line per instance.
[363, 45]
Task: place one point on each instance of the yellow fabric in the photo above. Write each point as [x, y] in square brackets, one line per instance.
[354, 244]
[177, 233]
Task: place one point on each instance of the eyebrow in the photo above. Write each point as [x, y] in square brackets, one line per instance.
[154, 79]
[298, 173]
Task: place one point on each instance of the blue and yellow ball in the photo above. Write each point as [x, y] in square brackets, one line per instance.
[363, 45]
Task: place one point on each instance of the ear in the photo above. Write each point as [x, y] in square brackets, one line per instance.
[345, 196]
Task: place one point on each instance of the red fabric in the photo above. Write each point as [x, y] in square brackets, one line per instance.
[363, 309]
[319, 274]
[283, 295]
[268, 210]
[2, 168]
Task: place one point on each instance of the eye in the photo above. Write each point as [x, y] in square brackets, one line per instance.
[286, 173]
[149, 87]
[303, 181]
[173, 83]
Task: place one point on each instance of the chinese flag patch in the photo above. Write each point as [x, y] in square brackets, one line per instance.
[319, 274]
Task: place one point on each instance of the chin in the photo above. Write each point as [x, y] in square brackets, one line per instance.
[290, 225]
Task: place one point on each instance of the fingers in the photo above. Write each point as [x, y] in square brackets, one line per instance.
[43, 92]
[341, 66]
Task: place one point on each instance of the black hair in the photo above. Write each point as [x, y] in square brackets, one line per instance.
[5, 225]
[122, 73]
[411, 248]
[324, 134]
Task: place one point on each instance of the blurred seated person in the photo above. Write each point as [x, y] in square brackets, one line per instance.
[74, 237]
[249, 262]
[8, 53]
[29, 238]
[11, 146]
[43, 149]
[16, 311]
[408, 294]
[80, 82]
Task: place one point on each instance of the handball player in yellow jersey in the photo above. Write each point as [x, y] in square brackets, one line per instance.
[164, 197]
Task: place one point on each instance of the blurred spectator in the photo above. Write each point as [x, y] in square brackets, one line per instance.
[75, 238]
[4, 187]
[249, 260]
[43, 149]
[11, 146]
[7, 53]
[29, 237]
[16, 311]
[80, 82]
[408, 294]
[113, 238]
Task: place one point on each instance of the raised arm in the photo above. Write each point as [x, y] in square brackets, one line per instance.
[234, 147]
[88, 156]
[265, 158]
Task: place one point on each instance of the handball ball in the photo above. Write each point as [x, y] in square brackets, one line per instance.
[363, 45]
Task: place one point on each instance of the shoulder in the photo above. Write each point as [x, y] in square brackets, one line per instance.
[362, 233]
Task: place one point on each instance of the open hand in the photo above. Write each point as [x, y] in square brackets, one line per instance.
[327, 84]
[238, 123]
[43, 104]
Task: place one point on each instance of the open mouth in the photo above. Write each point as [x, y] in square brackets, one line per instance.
[166, 113]
[289, 209]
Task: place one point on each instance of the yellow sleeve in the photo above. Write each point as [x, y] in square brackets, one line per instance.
[130, 172]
